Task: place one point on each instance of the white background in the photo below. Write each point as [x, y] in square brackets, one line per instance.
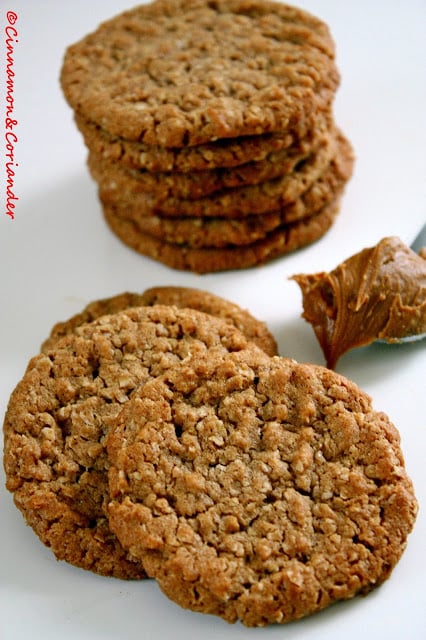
[57, 255]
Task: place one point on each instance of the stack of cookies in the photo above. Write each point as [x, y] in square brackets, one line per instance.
[152, 437]
[210, 129]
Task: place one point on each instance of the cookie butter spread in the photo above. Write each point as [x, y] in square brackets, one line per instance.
[378, 293]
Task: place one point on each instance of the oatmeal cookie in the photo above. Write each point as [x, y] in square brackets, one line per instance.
[59, 414]
[204, 232]
[178, 73]
[226, 153]
[258, 491]
[197, 184]
[204, 301]
[234, 203]
[278, 242]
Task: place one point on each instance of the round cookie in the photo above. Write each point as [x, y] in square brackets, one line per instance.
[229, 203]
[258, 491]
[204, 301]
[278, 242]
[178, 73]
[223, 153]
[59, 414]
[226, 153]
[200, 184]
[203, 232]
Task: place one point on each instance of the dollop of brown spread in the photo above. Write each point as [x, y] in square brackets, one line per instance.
[376, 294]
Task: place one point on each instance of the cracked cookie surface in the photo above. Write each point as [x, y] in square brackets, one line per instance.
[258, 491]
[60, 412]
[181, 297]
[175, 73]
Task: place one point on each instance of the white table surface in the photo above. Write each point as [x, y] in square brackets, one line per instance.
[57, 255]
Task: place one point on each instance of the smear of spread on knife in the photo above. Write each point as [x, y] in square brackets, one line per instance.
[376, 294]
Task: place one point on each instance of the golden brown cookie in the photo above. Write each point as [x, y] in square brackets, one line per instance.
[205, 232]
[224, 153]
[258, 491]
[59, 415]
[238, 202]
[175, 73]
[197, 184]
[204, 301]
[278, 242]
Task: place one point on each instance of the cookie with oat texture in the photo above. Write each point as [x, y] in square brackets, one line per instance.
[204, 301]
[221, 232]
[226, 153]
[233, 203]
[258, 491]
[278, 242]
[59, 414]
[178, 73]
